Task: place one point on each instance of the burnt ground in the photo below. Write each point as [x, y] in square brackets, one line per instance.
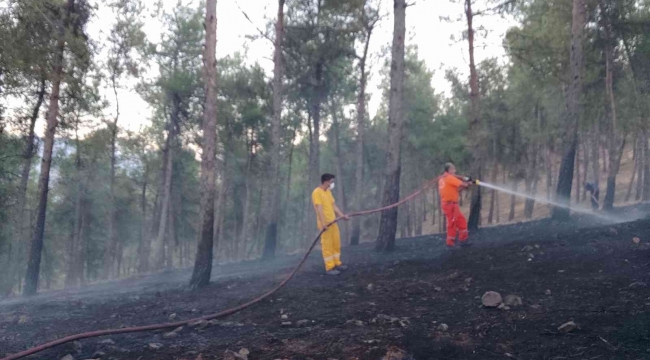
[594, 275]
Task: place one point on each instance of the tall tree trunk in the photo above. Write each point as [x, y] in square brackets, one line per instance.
[34, 262]
[595, 154]
[646, 168]
[340, 189]
[361, 119]
[145, 245]
[548, 159]
[531, 182]
[493, 193]
[220, 205]
[577, 173]
[111, 248]
[641, 170]
[23, 216]
[635, 159]
[159, 247]
[573, 110]
[474, 124]
[616, 141]
[203, 263]
[388, 222]
[72, 276]
[513, 199]
[273, 209]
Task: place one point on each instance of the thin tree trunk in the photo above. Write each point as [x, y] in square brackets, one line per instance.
[340, 190]
[513, 199]
[646, 168]
[34, 262]
[145, 245]
[203, 264]
[111, 248]
[23, 216]
[272, 211]
[493, 193]
[549, 171]
[573, 110]
[577, 173]
[164, 210]
[616, 141]
[388, 222]
[474, 124]
[361, 118]
[595, 154]
[635, 159]
[641, 169]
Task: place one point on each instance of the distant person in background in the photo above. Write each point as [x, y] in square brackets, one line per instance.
[594, 193]
[326, 212]
[449, 186]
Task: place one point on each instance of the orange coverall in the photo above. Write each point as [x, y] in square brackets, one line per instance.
[456, 222]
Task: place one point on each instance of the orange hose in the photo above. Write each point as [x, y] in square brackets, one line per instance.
[226, 312]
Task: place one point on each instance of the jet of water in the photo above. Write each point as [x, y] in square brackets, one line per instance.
[543, 200]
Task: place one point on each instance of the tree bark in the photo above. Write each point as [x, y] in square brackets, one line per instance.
[361, 119]
[616, 142]
[111, 248]
[203, 263]
[273, 209]
[145, 246]
[641, 170]
[164, 209]
[635, 159]
[388, 222]
[23, 216]
[34, 262]
[493, 193]
[573, 110]
[475, 130]
[513, 199]
[646, 168]
[340, 189]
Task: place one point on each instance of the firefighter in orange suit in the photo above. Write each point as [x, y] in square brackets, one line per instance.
[449, 186]
[326, 212]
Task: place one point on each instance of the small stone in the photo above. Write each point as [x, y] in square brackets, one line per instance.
[155, 346]
[636, 240]
[301, 323]
[370, 287]
[286, 323]
[67, 357]
[537, 246]
[547, 292]
[107, 342]
[284, 317]
[531, 256]
[356, 322]
[536, 307]
[513, 300]
[170, 335]
[173, 316]
[23, 319]
[491, 299]
[443, 327]
[637, 285]
[567, 327]
[437, 288]
[527, 248]
[504, 307]
[199, 324]
[561, 271]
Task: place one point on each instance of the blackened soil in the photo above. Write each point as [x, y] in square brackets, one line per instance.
[593, 276]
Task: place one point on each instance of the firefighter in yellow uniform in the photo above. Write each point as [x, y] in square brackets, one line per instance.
[326, 211]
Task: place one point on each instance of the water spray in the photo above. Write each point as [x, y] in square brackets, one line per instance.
[545, 201]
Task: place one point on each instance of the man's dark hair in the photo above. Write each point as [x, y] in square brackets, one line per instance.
[326, 177]
[448, 166]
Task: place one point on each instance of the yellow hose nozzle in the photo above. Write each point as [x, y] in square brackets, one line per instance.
[477, 182]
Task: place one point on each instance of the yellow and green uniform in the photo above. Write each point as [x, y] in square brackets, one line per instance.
[331, 239]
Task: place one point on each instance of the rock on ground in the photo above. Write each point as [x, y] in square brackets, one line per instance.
[491, 299]
[567, 327]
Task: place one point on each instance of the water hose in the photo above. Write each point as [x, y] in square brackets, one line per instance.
[223, 313]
